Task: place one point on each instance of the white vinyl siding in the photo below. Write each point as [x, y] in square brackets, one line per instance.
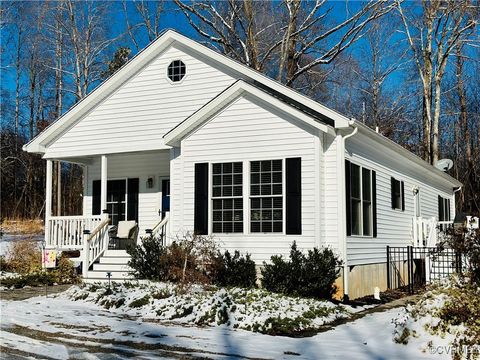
[141, 166]
[248, 131]
[394, 227]
[142, 110]
[329, 202]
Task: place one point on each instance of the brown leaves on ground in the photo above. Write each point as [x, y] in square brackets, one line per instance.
[22, 227]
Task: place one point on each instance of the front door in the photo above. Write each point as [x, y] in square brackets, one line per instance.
[416, 199]
[165, 196]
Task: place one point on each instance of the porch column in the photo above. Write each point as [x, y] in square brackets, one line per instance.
[48, 201]
[103, 185]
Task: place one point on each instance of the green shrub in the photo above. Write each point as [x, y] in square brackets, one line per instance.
[140, 302]
[65, 272]
[191, 259]
[146, 259]
[4, 266]
[312, 275]
[236, 271]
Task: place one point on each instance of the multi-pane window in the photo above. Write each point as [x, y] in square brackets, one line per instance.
[116, 200]
[397, 194]
[367, 201]
[443, 209]
[176, 70]
[361, 200]
[227, 192]
[356, 200]
[266, 196]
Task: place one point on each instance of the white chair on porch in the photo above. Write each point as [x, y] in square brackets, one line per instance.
[126, 232]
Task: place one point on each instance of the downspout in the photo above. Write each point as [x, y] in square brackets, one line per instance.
[342, 201]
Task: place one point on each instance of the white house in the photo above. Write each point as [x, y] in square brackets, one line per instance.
[183, 139]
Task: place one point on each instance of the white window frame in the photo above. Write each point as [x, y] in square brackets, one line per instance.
[361, 167]
[283, 195]
[402, 196]
[246, 199]
[212, 198]
[184, 77]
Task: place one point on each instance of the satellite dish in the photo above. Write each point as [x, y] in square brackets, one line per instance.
[444, 164]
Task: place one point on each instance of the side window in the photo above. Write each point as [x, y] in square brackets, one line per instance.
[266, 196]
[227, 192]
[361, 200]
[443, 209]
[398, 194]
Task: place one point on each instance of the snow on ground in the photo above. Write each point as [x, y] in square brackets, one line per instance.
[7, 240]
[254, 309]
[81, 327]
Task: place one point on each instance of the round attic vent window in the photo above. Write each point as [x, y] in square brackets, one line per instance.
[176, 70]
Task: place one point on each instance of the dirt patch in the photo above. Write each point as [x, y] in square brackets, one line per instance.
[28, 292]
[114, 346]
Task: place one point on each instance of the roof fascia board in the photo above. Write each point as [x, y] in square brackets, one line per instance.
[240, 87]
[401, 151]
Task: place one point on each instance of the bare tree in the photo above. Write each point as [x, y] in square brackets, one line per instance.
[295, 35]
[149, 13]
[381, 58]
[432, 38]
[84, 30]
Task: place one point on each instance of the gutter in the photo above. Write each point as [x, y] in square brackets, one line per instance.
[342, 233]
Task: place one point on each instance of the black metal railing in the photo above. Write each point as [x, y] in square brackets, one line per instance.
[410, 267]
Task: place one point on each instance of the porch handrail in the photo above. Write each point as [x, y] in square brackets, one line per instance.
[95, 244]
[161, 223]
[161, 227]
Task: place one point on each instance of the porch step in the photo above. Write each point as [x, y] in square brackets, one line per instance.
[114, 262]
[111, 267]
[114, 259]
[116, 253]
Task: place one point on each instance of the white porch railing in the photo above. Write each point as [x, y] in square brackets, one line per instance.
[94, 245]
[66, 232]
[161, 228]
[425, 231]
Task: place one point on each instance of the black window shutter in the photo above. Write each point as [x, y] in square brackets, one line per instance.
[200, 223]
[440, 208]
[96, 202]
[392, 191]
[403, 196]
[293, 176]
[447, 210]
[347, 197]
[132, 190]
[374, 202]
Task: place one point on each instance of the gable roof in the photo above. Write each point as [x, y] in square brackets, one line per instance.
[401, 151]
[40, 142]
[235, 90]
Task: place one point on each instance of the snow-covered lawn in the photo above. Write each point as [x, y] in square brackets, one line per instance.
[59, 327]
[255, 309]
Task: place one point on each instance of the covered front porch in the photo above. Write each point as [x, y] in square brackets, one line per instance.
[126, 187]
